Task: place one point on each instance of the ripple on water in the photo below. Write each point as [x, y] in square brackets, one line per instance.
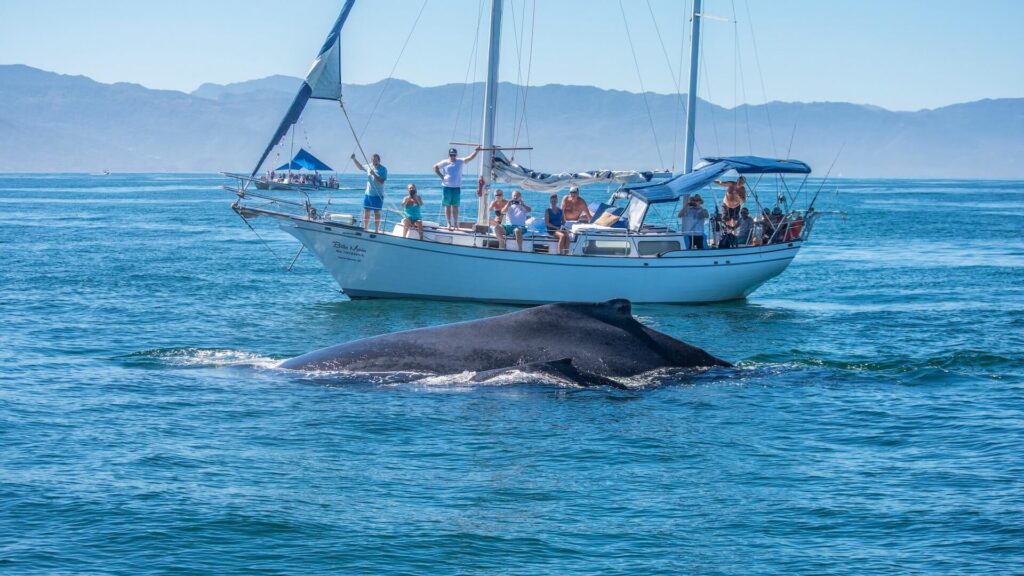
[873, 424]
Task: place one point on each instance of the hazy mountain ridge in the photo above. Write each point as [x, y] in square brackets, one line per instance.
[53, 122]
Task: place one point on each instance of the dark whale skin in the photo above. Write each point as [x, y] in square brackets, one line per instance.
[601, 339]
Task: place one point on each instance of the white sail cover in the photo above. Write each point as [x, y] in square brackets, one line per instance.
[508, 172]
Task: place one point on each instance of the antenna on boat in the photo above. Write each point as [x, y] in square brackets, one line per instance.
[691, 96]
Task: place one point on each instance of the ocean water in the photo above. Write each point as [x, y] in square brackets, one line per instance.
[875, 423]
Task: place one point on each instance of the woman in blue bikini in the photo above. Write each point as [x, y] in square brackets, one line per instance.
[412, 206]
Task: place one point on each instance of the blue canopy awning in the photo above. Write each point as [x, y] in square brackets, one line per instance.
[305, 161]
[672, 189]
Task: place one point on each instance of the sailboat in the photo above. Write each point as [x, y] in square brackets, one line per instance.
[629, 255]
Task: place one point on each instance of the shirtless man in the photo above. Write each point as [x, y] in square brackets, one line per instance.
[735, 196]
[496, 208]
[574, 207]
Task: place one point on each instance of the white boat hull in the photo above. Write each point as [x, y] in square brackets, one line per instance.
[369, 265]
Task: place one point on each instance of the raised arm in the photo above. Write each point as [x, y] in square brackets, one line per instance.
[358, 165]
[472, 155]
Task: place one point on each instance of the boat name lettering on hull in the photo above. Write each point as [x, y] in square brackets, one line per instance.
[349, 251]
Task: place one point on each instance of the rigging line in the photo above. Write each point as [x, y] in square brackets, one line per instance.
[792, 135]
[735, 81]
[743, 91]
[643, 92]
[672, 73]
[815, 199]
[760, 73]
[517, 43]
[275, 254]
[391, 75]
[526, 88]
[469, 65]
[529, 73]
[473, 99]
[679, 91]
[707, 85]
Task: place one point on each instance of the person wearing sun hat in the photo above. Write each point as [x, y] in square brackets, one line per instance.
[693, 216]
[450, 173]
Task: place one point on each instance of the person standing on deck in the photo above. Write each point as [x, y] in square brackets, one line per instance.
[735, 196]
[450, 173]
[693, 216]
[373, 199]
[744, 228]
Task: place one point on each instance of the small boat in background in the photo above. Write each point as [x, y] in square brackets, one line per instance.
[301, 173]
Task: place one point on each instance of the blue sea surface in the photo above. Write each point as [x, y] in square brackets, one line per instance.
[875, 423]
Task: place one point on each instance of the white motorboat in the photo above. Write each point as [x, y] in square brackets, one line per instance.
[634, 257]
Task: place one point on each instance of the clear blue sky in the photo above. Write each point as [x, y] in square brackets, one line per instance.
[898, 54]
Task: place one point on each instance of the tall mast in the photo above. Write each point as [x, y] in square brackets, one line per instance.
[490, 109]
[691, 96]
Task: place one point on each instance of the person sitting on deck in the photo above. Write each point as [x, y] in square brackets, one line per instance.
[779, 225]
[767, 229]
[497, 207]
[517, 212]
[744, 227]
[693, 216]
[575, 208]
[554, 222]
[411, 208]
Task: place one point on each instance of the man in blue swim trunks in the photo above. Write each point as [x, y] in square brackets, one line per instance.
[517, 212]
[373, 199]
[450, 173]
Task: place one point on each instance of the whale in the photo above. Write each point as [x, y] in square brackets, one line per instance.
[585, 343]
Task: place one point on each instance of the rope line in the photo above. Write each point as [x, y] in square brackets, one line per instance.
[643, 92]
[760, 73]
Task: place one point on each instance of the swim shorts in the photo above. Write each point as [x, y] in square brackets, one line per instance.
[451, 196]
[372, 202]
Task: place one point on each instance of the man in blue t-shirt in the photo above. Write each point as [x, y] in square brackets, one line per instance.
[450, 173]
[373, 199]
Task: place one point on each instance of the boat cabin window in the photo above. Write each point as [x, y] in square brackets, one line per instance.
[655, 247]
[606, 248]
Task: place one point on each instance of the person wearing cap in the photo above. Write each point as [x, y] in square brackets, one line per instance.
[373, 198]
[450, 173]
[744, 227]
[779, 227]
[554, 221]
[693, 216]
[574, 207]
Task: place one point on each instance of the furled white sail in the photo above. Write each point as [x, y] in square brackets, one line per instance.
[509, 172]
